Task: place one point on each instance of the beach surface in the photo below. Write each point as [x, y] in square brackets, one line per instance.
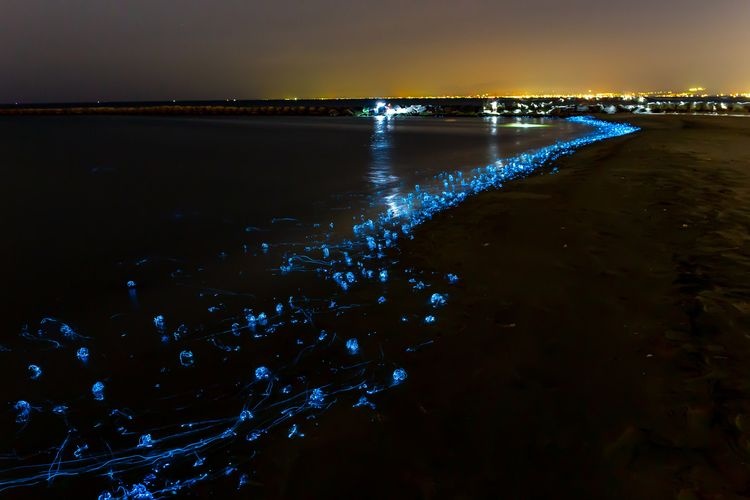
[597, 345]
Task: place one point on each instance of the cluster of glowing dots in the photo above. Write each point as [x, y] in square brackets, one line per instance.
[348, 264]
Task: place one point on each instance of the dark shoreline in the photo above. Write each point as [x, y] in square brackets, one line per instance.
[596, 348]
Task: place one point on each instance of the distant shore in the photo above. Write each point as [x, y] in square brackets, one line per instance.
[505, 107]
[597, 345]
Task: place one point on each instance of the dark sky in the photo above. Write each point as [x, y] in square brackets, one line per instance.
[73, 50]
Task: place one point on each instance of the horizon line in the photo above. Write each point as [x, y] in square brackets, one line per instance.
[583, 95]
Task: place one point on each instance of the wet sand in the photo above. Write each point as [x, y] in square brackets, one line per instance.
[597, 346]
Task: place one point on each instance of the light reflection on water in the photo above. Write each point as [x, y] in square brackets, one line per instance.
[386, 185]
[389, 180]
[492, 149]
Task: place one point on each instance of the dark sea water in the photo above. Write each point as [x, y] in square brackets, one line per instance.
[201, 213]
[83, 198]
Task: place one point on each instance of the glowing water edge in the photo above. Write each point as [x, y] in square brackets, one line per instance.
[80, 421]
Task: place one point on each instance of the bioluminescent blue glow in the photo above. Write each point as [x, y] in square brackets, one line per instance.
[238, 399]
[97, 390]
[187, 358]
[159, 322]
[317, 397]
[23, 411]
[363, 401]
[294, 432]
[438, 299]
[34, 372]
[82, 354]
[399, 375]
[145, 441]
[262, 373]
[352, 346]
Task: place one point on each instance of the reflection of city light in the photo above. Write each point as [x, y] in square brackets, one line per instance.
[493, 125]
[525, 125]
[492, 150]
[381, 169]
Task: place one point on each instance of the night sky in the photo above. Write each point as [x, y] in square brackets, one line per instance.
[87, 50]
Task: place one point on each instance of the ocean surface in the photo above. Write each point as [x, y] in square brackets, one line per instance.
[187, 254]
[86, 198]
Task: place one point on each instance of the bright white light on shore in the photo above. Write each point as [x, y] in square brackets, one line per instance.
[378, 106]
[383, 109]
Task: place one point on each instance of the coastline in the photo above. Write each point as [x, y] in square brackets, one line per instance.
[426, 107]
[595, 348]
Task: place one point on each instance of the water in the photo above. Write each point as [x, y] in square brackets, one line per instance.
[160, 245]
[85, 193]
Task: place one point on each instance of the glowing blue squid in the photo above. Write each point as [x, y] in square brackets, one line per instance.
[262, 373]
[34, 372]
[438, 299]
[187, 358]
[399, 375]
[352, 346]
[23, 411]
[159, 322]
[316, 398]
[145, 441]
[82, 354]
[97, 390]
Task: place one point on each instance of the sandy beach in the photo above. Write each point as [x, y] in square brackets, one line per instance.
[597, 346]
